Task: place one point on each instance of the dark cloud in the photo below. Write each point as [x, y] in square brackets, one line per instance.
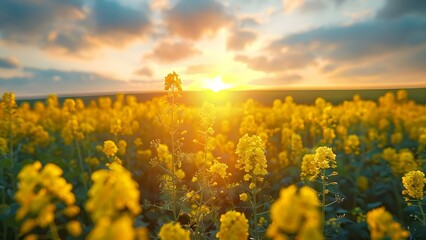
[358, 41]
[72, 26]
[374, 49]
[111, 20]
[9, 63]
[169, 52]
[239, 39]
[398, 8]
[144, 71]
[27, 21]
[43, 82]
[194, 19]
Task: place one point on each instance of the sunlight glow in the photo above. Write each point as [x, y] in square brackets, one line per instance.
[216, 84]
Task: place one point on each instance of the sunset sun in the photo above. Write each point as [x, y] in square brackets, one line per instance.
[216, 84]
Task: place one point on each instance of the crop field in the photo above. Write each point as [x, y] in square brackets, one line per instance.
[177, 167]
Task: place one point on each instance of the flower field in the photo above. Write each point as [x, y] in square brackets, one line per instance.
[158, 169]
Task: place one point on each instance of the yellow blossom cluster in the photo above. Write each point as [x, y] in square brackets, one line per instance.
[296, 212]
[233, 226]
[414, 184]
[173, 231]
[251, 158]
[219, 169]
[382, 226]
[110, 149]
[113, 203]
[352, 144]
[40, 190]
[314, 164]
[401, 162]
[173, 81]
[113, 191]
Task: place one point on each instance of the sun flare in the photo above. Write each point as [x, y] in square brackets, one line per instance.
[216, 84]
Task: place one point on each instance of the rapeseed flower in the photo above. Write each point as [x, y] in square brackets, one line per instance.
[233, 226]
[383, 226]
[296, 212]
[414, 183]
[110, 149]
[173, 231]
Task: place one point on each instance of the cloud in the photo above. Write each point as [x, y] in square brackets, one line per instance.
[278, 80]
[375, 49]
[248, 22]
[172, 51]
[27, 21]
[9, 63]
[144, 71]
[197, 69]
[278, 62]
[159, 5]
[359, 41]
[398, 8]
[42, 82]
[239, 39]
[71, 26]
[194, 19]
[309, 6]
[113, 22]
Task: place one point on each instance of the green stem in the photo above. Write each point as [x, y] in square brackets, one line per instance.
[422, 212]
[323, 197]
[80, 161]
[256, 234]
[172, 133]
[54, 231]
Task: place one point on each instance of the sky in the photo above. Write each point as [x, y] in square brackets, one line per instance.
[96, 46]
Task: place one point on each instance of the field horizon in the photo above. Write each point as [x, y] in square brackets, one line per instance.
[263, 96]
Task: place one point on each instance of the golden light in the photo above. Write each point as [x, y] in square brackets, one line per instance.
[216, 84]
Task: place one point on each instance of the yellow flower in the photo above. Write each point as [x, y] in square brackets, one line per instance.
[243, 197]
[296, 212]
[251, 156]
[352, 144]
[112, 192]
[328, 134]
[362, 183]
[122, 145]
[325, 158]
[110, 149]
[382, 225]
[173, 231]
[71, 211]
[172, 81]
[219, 169]
[313, 164]
[39, 191]
[116, 126]
[142, 233]
[108, 229]
[74, 228]
[9, 100]
[309, 168]
[233, 225]
[414, 183]
[401, 162]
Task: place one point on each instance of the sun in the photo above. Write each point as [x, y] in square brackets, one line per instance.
[216, 84]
